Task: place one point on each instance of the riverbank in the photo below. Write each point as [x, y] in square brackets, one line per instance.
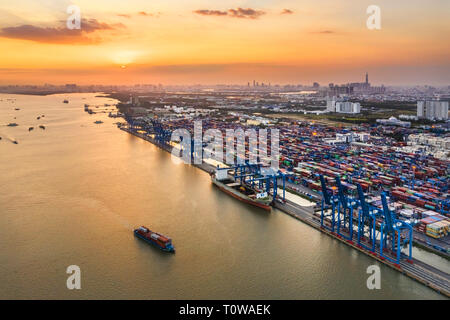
[39, 93]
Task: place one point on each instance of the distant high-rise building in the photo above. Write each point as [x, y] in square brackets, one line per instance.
[367, 78]
[432, 110]
[348, 107]
[338, 90]
[331, 104]
[134, 100]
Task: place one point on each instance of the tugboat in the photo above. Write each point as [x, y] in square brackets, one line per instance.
[12, 124]
[66, 101]
[98, 122]
[42, 127]
[162, 242]
[242, 192]
[30, 128]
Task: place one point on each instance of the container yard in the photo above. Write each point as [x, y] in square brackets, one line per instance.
[369, 194]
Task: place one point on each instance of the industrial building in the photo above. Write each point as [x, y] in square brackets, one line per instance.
[348, 107]
[393, 121]
[432, 110]
[342, 107]
[331, 105]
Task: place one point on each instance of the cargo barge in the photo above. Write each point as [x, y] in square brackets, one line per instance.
[242, 192]
[162, 242]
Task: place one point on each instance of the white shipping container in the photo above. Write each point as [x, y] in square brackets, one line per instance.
[154, 236]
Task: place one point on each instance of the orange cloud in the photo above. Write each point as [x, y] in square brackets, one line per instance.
[211, 12]
[287, 11]
[324, 32]
[233, 13]
[62, 34]
[246, 13]
[149, 14]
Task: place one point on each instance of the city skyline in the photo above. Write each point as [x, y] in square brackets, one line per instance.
[243, 84]
[211, 42]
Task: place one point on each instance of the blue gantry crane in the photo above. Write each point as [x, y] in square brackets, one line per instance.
[270, 181]
[162, 135]
[379, 231]
[337, 210]
[367, 217]
[246, 170]
[395, 235]
[152, 126]
[345, 208]
[252, 173]
[329, 207]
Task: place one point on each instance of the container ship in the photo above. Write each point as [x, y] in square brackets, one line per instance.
[240, 191]
[156, 239]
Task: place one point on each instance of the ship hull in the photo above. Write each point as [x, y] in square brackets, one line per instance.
[241, 197]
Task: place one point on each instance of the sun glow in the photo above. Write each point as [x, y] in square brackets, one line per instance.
[124, 58]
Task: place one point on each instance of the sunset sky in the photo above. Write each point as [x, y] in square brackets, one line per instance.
[194, 41]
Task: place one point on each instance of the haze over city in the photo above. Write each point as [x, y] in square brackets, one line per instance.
[210, 42]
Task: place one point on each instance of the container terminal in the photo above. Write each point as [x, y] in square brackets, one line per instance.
[365, 190]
